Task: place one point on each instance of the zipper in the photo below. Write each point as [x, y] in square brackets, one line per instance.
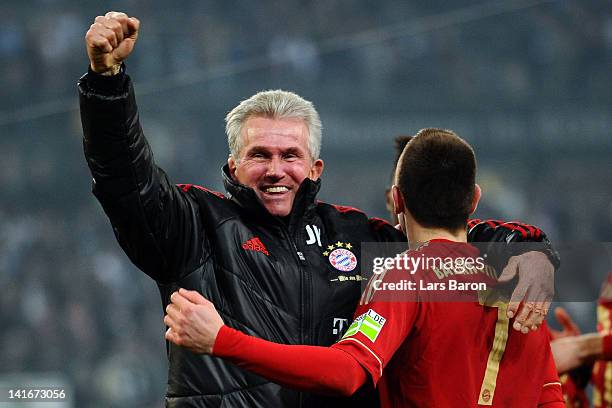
[301, 261]
[305, 292]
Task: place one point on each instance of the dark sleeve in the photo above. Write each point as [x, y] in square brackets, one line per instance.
[494, 232]
[385, 232]
[156, 223]
[321, 370]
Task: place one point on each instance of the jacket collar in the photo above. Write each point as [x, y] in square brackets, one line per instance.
[246, 198]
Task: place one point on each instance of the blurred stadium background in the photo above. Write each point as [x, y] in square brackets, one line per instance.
[528, 83]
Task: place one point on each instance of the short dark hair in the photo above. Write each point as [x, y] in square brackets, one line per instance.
[400, 143]
[436, 175]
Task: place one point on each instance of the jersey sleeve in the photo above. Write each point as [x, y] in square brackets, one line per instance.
[378, 330]
[551, 395]
[321, 370]
[607, 347]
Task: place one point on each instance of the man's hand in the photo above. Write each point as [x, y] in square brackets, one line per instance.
[534, 291]
[568, 327]
[109, 40]
[573, 351]
[193, 321]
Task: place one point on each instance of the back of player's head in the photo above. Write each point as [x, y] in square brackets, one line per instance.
[275, 104]
[436, 175]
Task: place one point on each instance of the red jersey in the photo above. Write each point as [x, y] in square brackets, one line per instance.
[602, 370]
[432, 353]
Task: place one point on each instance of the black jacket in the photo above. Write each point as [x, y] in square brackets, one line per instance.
[267, 277]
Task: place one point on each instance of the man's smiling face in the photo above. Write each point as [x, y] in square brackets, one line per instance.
[274, 160]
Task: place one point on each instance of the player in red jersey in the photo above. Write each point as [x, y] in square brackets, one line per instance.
[581, 357]
[433, 352]
[602, 351]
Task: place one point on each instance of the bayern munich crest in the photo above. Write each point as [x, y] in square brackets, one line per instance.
[341, 257]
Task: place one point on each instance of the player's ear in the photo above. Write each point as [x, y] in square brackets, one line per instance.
[399, 206]
[476, 198]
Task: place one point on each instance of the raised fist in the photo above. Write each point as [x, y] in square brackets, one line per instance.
[109, 40]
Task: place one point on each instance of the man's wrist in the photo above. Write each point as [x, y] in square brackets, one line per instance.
[553, 257]
[592, 346]
[107, 84]
[114, 70]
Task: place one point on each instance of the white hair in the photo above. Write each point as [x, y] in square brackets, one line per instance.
[276, 104]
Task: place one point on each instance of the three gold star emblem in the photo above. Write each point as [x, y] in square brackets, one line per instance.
[338, 244]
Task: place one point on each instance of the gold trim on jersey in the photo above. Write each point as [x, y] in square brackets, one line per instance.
[596, 393]
[487, 389]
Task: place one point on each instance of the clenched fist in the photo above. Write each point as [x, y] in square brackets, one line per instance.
[193, 322]
[109, 40]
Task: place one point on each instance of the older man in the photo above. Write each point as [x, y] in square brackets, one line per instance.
[277, 263]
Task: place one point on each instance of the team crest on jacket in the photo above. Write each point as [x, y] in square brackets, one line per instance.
[341, 257]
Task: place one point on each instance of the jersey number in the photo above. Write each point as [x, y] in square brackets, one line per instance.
[487, 388]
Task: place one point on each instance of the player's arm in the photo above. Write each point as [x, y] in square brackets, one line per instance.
[368, 345]
[193, 323]
[156, 224]
[574, 351]
[533, 264]
[496, 231]
[321, 370]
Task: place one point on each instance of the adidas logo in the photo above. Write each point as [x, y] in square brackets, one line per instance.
[255, 244]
